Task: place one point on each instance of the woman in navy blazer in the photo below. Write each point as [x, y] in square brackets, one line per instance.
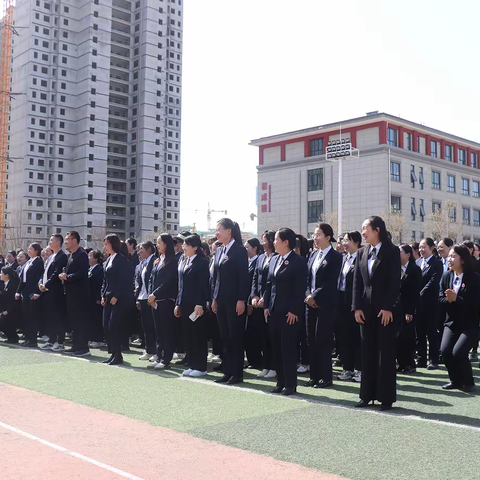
[117, 296]
[163, 289]
[230, 292]
[284, 303]
[27, 289]
[95, 281]
[460, 300]
[192, 298]
[9, 308]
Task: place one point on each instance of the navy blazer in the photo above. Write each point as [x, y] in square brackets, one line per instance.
[7, 298]
[34, 273]
[163, 282]
[285, 291]
[259, 281]
[230, 277]
[118, 279]
[95, 281]
[53, 283]
[463, 313]
[410, 286]
[349, 280]
[193, 284]
[77, 273]
[431, 277]
[138, 275]
[252, 266]
[326, 278]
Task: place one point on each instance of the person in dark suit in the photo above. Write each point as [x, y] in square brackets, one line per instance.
[12, 259]
[75, 283]
[284, 302]
[28, 291]
[427, 317]
[410, 285]
[230, 291]
[9, 307]
[117, 296]
[22, 259]
[192, 298]
[460, 298]
[53, 295]
[95, 281]
[376, 287]
[142, 279]
[255, 318]
[322, 299]
[212, 321]
[443, 250]
[131, 244]
[349, 330]
[163, 289]
[259, 285]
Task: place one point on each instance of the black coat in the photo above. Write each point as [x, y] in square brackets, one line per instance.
[349, 280]
[285, 291]
[163, 282]
[431, 277]
[259, 281]
[53, 283]
[381, 291]
[34, 274]
[138, 275]
[134, 260]
[463, 313]
[252, 266]
[410, 286]
[7, 298]
[95, 281]
[118, 279]
[77, 274]
[193, 284]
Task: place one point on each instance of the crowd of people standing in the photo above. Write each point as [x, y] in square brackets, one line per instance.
[283, 304]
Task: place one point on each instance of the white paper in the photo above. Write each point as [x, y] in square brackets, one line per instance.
[193, 316]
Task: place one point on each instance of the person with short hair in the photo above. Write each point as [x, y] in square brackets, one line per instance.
[10, 308]
[95, 281]
[131, 244]
[12, 259]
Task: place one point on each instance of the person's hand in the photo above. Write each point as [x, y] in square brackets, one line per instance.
[151, 300]
[240, 307]
[4, 313]
[408, 317]
[113, 301]
[98, 302]
[291, 318]
[36, 296]
[214, 306]
[42, 288]
[198, 311]
[138, 305]
[103, 302]
[359, 316]
[62, 276]
[451, 295]
[255, 301]
[177, 312]
[249, 310]
[387, 317]
[17, 296]
[260, 303]
[311, 302]
[266, 312]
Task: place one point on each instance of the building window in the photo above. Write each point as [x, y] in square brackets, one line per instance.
[422, 211]
[436, 206]
[476, 218]
[409, 141]
[448, 153]
[474, 160]
[462, 157]
[433, 148]
[465, 186]
[396, 204]
[315, 211]
[452, 214]
[413, 177]
[395, 171]
[393, 137]
[315, 179]
[436, 180]
[413, 209]
[450, 183]
[418, 145]
[475, 189]
[466, 215]
[421, 180]
[316, 147]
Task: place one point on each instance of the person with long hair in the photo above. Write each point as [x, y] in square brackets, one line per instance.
[259, 285]
[117, 296]
[376, 287]
[322, 301]
[163, 290]
[460, 298]
[10, 309]
[212, 321]
[95, 281]
[28, 291]
[427, 317]
[229, 296]
[349, 329]
[410, 285]
[191, 305]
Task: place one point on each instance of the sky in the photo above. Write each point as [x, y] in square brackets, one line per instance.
[254, 68]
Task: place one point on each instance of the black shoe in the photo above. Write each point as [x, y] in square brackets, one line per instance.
[323, 384]
[385, 406]
[338, 363]
[421, 364]
[223, 379]
[183, 361]
[408, 370]
[218, 368]
[82, 353]
[70, 351]
[116, 360]
[277, 389]
[451, 386]
[311, 383]
[468, 388]
[289, 391]
[29, 344]
[362, 404]
[432, 366]
[108, 360]
[234, 380]
[12, 342]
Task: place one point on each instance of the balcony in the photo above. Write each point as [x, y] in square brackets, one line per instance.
[116, 212]
[120, 15]
[119, 87]
[122, 4]
[122, 52]
[117, 174]
[118, 112]
[119, 75]
[116, 187]
[120, 27]
[120, 63]
[118, 100]
[118, 137]
[116, 224]
[120, 39]
[118, 125]
[118, 149]
[117, 199]
[116, 161]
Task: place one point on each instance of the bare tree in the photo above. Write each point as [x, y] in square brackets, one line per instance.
[98, 234]
[396, 225]
[14, 237]
[444, 223]
[332, 219]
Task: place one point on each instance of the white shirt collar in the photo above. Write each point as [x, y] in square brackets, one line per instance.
[253, 258]
[149, 258]
[352, 256]
[426, 260]
[227, 247]
[325, 251]
[458, 276]
[287, 254]
[190, 260]
[6, 283]
[376, 247]
[112, 257]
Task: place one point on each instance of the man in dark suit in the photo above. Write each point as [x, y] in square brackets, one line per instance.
[75, 282]
[132, 252]
[53, 295]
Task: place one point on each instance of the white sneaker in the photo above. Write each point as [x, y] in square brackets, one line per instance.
[186, 373]
[210, 357]
[303, 369]
[198, 373]
[145, 356]
[216, 358]
[357, 377]
[153, 358]
[152, 364]
[271, 374]
[46, 346]
[44, 338]
[345, 375]
[160, 366]
[96, 344]
[178, 356]
[58, 347]
[263, 373]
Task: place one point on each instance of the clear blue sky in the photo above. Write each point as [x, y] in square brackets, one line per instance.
[254, 68]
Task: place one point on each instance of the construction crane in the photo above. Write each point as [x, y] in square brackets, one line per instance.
[209, 212]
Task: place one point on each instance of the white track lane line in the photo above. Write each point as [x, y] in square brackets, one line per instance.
[70, 452]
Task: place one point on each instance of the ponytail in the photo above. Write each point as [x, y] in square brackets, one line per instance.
[234, 228]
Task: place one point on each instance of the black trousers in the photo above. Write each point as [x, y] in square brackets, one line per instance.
[195, 338]
[378, 360]
[113, 326]
[320, 325]
[456, 343]
[164, 321]
[95, 331]
[303, 353]
[8, 325]
[77, 314]
[30, 319]
[426, 327]
[214, 333]
[232, 332]
[349, 338]
[148, 326]
[406, 344]
[254, 338]
[54, 310]
[284, 339]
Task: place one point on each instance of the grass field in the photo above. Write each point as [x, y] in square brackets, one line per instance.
[432, 434]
